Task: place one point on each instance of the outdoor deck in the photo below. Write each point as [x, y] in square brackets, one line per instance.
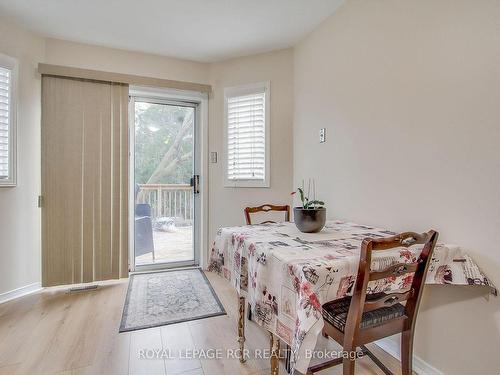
[173, 242]
[170, 247]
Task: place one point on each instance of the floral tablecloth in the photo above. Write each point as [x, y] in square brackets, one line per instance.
[287, 275]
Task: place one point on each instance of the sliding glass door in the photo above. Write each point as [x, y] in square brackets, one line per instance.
[165, 182]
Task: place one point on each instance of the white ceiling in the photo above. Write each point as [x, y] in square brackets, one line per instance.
[200, 30]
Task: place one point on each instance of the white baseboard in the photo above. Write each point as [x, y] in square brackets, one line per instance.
[419, 365]
[19, 292]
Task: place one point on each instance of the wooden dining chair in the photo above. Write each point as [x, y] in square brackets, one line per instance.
[363, 318]
[266, 208]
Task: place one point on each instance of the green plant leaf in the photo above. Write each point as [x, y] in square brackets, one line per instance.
[301, 193]
[306, 203]
[315, 204]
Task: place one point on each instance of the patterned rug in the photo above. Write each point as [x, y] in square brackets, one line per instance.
[161, 298]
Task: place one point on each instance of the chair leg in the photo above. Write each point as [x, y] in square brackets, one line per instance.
[377, 361]
[349, 363]
[407, 352]
[348, 366]
[322, 366]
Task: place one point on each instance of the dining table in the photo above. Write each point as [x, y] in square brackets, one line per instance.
[285, 276]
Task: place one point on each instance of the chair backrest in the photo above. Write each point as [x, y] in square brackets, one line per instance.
[137, 189]
[412, 296]
[143, 209]
[266, 208]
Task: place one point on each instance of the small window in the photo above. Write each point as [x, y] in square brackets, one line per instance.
[8, 78]
[247, 135]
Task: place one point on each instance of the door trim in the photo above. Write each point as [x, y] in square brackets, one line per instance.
[171, 96]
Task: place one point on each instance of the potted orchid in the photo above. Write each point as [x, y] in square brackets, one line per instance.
[311, 216]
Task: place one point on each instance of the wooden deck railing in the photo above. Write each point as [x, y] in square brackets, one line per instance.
[168, 200]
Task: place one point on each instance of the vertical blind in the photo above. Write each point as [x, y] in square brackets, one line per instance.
[246, 136]
[84, 181]
[5, 115]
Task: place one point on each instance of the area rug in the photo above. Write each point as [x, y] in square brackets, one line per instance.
[161, 298]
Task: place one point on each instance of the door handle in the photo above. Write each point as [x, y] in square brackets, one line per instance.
[195, 183]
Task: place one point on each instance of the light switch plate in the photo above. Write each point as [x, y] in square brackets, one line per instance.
[322, 135]
[213, 157]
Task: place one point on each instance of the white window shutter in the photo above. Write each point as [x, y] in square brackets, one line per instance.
[247, 133]
[5, 121]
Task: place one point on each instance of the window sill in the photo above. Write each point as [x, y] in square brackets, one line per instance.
[247, 184]
[8, 184]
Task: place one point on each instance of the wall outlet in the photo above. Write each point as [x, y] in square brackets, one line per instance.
[213, 157]
[322, 135]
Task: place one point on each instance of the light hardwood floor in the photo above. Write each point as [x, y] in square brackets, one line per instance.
[54, 332]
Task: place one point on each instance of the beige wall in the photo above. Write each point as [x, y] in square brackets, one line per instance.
[227, 204]
[409, 93]
[86, 56]
[19, 214]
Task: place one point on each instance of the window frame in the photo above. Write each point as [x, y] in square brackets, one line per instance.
[241, 90]
[11, 63]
